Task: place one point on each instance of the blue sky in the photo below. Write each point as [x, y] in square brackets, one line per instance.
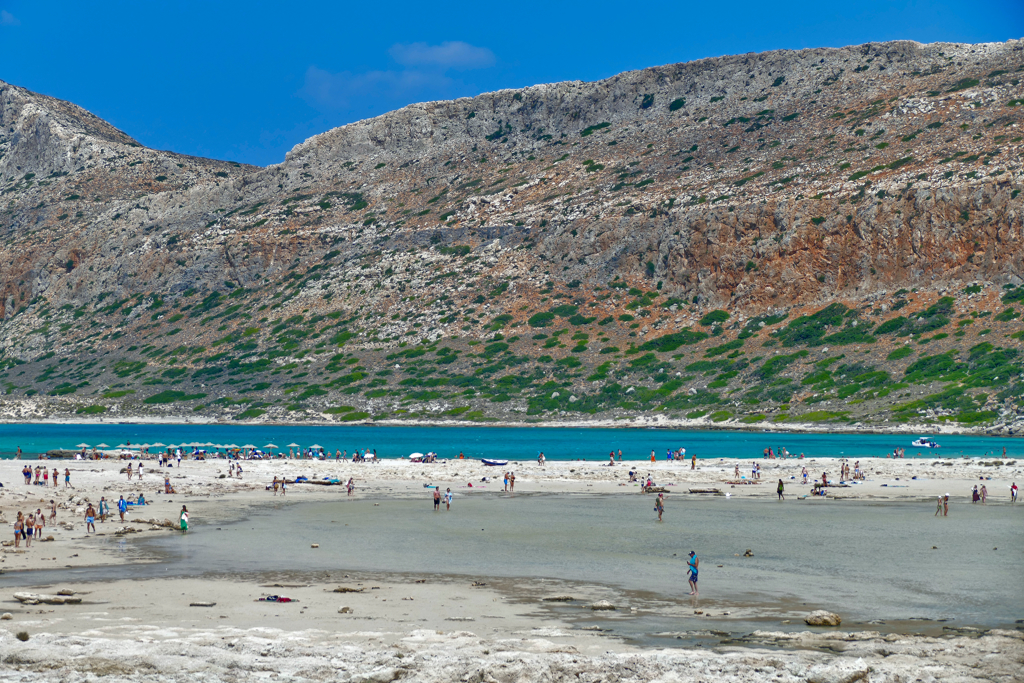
[247, 81]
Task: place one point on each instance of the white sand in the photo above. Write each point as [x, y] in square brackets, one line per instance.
[444, 630]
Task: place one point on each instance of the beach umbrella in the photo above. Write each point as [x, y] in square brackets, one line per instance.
[270, 445]
[231, 445]
[102, 445]
[121, 445]
[158, 444]
[82, 445]
[248, 445]
[316, 445]
[293, 445]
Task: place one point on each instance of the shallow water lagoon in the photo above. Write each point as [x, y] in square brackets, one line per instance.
[867, 561]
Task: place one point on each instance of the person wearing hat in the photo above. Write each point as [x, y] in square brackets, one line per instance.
[693, 563]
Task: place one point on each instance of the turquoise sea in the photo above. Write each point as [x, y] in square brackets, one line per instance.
[505, 443]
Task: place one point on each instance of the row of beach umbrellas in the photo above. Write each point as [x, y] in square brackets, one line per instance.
[194, 444]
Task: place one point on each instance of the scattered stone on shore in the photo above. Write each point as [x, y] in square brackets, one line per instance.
[602, 605]
[202, 604]
[6, 616]
[749, 553]
[823, 618]
[345, 610]
[314, 545]
[346, 589]
[559, 598]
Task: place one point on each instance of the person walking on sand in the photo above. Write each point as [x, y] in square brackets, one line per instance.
[938, 506]
[183, 517]
[693, 461]
[284, 486]
[351, 486]
[1013, 492]
[659, 505]
[30, 528]
[448, 500]
[945, 505]
[90, 519]
[67, 478]
[104, 509]
[975, 496]
[505, 481]
[19, 528]
[122, 507]
[55, 475]
[275, 485]
[130, 472]
[437, 498]
[53, 511]
[512, 482]
[693, 563]
[781, 488]
[984, 494]
[140, 471]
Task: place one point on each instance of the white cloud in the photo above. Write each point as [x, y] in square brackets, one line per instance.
[424, 78]
[448, 55]
[8, 19]
[325, 90]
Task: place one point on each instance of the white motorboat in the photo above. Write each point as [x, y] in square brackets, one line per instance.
[924, 442]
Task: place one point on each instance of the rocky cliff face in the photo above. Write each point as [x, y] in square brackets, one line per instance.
[599, 242]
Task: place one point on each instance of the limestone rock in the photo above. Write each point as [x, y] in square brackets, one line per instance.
[822, 618]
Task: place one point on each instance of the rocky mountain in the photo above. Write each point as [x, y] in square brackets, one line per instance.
[825, 235]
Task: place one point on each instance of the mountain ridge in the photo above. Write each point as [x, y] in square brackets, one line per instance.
[754, 186]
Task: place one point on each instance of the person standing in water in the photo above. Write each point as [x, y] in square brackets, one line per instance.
[938, 506]
[945, 505]
[781, 488]
[693, 563]
[984, 494]
[183, 517]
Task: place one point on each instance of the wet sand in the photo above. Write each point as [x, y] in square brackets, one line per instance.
[135, 629]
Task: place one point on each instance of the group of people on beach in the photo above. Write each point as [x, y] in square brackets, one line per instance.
[43, 478]
[27, 526]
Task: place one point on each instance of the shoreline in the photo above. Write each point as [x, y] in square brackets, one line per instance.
[640, 422]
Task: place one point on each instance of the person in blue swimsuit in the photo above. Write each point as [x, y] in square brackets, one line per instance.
[693, 563]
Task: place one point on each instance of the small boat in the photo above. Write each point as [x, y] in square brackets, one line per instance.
[924, 442]
[494, 463]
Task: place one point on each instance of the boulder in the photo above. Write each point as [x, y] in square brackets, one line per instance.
[602, 605]
[47, 599]
[822, 618]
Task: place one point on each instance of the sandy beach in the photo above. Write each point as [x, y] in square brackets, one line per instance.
[435, 627]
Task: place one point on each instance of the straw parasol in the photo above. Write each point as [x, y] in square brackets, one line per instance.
[158, 445]
[293, 445]
[270, 445]
[248, 445]
[316, 445]
[102, 445]
[81, 445]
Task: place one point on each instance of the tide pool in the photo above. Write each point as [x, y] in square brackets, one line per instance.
[504, 443]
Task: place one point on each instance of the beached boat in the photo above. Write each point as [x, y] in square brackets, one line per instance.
[494, 463]
[924, 442]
